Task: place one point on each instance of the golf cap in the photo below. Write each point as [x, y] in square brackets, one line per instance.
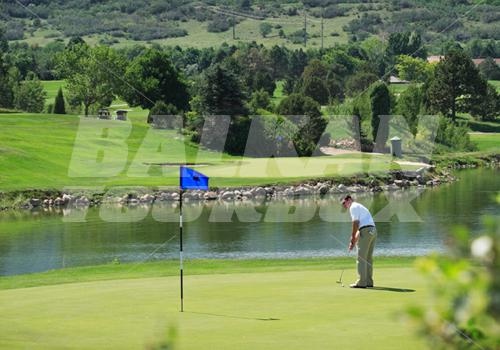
[346, 198]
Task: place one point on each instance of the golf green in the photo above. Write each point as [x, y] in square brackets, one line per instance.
[301, 309]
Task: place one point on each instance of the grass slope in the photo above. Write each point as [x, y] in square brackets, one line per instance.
[296, 309]
[486, 141]
[52, 151]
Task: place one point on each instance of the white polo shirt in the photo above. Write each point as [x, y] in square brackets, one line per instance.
[360, 213]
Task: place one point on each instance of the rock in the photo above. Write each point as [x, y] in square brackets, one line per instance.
[341, 188]
[227, 196]
[147, 198]
[259, 192]
[302, 191]
[399, 183]
[393, 187]
[34, 202]
[58, 202]
[210, 196]
[247, 194]
[67, 198]
[324, 189]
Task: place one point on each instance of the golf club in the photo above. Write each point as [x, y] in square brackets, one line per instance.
[340, 279]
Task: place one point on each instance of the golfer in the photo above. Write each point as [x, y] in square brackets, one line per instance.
[364, 234]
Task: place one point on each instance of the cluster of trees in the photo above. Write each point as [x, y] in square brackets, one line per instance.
[240, 80]
[17, 91]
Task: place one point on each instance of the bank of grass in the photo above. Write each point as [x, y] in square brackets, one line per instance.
[228, 305]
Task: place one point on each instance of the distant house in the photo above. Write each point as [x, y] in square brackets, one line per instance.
[396, 80]
[103, 113]
[477, 61]
[121, 114]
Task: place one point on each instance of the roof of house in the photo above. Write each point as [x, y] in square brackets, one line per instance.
[477, 61]
[396, 80]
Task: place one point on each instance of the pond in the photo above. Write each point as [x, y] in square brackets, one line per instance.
[410, 223]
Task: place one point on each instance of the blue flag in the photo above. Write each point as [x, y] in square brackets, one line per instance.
[192, 180]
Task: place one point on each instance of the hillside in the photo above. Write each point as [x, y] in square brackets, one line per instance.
[209, 22]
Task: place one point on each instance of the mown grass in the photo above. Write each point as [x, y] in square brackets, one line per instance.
[51, 87]
[486, 141]
[192, 267]
[263, 305]
[53, 151]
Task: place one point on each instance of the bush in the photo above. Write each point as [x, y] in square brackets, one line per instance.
[164, 116]
[29, 95]
[260, 100]
[463, 307]
[454, 137]
[218, 25]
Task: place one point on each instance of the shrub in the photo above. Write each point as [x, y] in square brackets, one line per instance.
[218, 25]
[454, 137]
[59, 104]
[164, 116]
[260, 100]
[29, 95]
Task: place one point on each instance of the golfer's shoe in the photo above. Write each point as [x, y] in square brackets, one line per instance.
[354, 285]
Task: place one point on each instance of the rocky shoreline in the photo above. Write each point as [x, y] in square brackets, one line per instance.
[393, 181]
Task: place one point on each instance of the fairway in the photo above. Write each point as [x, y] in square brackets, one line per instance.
[60, 150]
[486, 141]
[256, 310]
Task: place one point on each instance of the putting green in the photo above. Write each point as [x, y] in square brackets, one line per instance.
[257, 310]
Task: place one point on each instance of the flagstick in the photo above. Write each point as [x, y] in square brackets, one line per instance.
[180, 251]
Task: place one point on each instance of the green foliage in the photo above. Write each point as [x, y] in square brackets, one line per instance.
[359, 82]
[265, 29]
[464, 307]
[455, 77]
[454, 137]
[406, 43]
[316, 88]
[380, 102]
[488, 106]
[221, 93]
[59, 104]
[310, 122]
[413, 69]
[490, 69]
[93, 75]
[29, 95]
[409, 105]
[152, 77]
[260, 100]
[164, 116]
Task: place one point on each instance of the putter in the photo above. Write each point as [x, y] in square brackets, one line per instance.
[340, 279]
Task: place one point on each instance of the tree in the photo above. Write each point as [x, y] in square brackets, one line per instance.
[154, 78]
[405, 43]
[165, 116]
[260, 100]
[490, 69]
[93, 75]
[409, 106]
[59, 104]
[413, 69]
[6, 83]
[221, 93]
[311, 123]
[455, 77]
[380, 102]
[265, 29]
[279, 61]
[359, 82]
[488, 106]
[316, 89]
[29, 95]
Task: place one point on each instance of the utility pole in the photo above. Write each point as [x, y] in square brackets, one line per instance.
[305, 28]
[321, 30]
[234, 24]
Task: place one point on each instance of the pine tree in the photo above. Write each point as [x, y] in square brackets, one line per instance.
[59, 104]
[380, 106]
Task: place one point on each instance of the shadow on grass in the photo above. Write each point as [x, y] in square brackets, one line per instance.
[390, 289]
[232, 316]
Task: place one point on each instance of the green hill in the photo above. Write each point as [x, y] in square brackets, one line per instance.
[209, 22]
